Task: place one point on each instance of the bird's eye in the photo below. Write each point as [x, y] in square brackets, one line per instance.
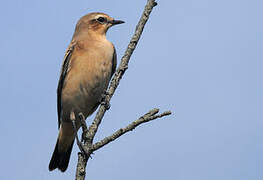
[101, 19]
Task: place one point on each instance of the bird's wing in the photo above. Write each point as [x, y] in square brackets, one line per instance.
[63, 74]
[114, 62]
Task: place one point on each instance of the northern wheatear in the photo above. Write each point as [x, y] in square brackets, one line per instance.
[88, 65]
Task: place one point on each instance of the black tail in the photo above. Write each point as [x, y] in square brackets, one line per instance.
[60, 160]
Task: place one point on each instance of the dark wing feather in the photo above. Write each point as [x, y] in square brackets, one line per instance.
[63, 74]
[114, 62]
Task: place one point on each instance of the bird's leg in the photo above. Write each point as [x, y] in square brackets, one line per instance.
[104, 100]
[84, 130]
[84, 127]
[73, 119]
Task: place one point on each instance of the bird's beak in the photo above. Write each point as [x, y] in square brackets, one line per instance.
[114, 22]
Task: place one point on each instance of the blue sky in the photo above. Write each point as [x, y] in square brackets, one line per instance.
[200, 59]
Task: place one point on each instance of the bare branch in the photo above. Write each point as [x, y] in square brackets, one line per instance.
[145, 118]
[121, 68]
[82, 162]
[88, 136]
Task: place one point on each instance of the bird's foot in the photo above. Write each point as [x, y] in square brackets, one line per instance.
[104, 100]
[91, 154]
[80, 145]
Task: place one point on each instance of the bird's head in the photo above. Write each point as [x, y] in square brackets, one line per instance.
[97, 23]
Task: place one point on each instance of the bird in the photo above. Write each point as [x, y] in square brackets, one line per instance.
[88, 65]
